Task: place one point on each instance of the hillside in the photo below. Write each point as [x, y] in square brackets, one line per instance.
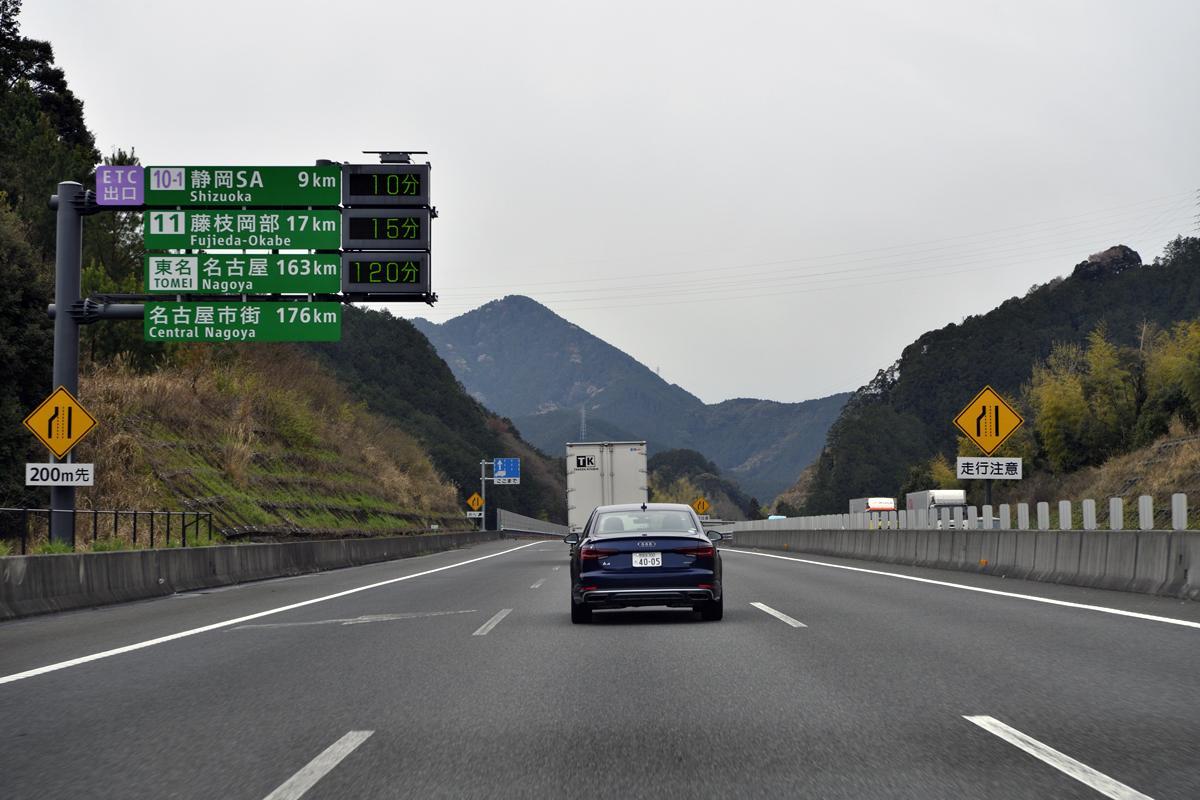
[230, 431]
[527, 363]
[903, 417]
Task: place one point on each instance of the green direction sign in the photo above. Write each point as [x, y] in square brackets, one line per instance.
[222, 321]
[243, 186]
[202, 230]
[243, 274]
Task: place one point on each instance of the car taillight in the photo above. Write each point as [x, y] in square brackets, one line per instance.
[702, 551]
[595, 553]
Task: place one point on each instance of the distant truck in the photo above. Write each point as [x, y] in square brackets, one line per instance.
[860, 505]
[603, 474]
[936, 499]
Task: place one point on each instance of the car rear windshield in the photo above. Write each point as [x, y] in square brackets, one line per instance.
[612, 523]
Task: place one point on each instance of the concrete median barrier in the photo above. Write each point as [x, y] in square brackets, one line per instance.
[44, 583]
[1148, 562]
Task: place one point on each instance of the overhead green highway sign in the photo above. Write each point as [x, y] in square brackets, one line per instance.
[243, 186]
[222, 321]
[276, 228]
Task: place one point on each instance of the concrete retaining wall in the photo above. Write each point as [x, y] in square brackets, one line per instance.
[1150, 562]
[40, 584]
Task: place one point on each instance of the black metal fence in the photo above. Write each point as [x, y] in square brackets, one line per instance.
[155, 529]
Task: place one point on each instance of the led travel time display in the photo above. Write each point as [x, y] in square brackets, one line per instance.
[390, 271]
[386, 227]
[386, 273]
[385, 185]
[402, 185]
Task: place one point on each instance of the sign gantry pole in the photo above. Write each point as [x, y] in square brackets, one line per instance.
[69, 203]
[483, 479]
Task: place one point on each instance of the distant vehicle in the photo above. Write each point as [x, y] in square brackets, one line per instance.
[776, 516]
[603, 474]
[860, 505]
[934, 500]
[648, 554]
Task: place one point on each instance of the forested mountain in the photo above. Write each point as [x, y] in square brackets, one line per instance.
[390, 366]
[681, 476]
[269, 444]
[902, 418]
[525, 362]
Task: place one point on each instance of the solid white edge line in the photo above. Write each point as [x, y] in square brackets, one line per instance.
[795, 623]
[1050, 601]
[319, 767]
[116, 651]
[493, 622]
[1060, 761]
[538, 584]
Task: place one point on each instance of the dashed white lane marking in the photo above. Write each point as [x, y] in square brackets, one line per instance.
[319, 767]
[1104, 609]
[493, 622]
[1060, 761]
[353, 620]
[538, 584]
[795, 623]
[556, 569]
[129, 648]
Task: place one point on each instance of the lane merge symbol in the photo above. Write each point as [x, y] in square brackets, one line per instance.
[988, 420]
[60, 422]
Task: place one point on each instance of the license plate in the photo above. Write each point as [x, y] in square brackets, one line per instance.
[647, 559]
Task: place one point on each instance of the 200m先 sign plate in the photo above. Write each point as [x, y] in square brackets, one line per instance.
[243, 274]
[277, 228]
[242, 322]
[243, 186]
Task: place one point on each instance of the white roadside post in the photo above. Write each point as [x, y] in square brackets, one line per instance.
[1089, 515]
[1179, 512]
[1116, 514]
[1146, 512]
[1065, 523]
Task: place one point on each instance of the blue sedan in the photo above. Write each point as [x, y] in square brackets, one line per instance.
[651, 554]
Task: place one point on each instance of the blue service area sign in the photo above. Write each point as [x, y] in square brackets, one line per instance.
[506, 470]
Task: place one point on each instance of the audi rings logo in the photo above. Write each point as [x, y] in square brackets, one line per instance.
[642, 543]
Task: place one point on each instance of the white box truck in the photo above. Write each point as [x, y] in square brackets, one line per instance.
[860, 505]
[934, 500]
[602, 474]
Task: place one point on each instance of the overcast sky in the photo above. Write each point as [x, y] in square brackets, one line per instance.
[760, 199]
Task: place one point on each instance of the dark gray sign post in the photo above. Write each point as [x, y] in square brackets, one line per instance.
[70, 203]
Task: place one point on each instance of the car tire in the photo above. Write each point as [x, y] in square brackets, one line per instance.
[580, 614]
[713, 610]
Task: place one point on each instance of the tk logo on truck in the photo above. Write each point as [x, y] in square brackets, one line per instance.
[585, 462]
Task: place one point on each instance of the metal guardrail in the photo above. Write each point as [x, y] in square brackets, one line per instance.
[518, 523]
[186, 520]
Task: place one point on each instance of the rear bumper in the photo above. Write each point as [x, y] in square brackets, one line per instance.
[664, 596]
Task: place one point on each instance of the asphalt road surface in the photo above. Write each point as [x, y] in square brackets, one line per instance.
[461, 675]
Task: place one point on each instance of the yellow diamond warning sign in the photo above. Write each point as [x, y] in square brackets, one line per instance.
[475, 502]
[988, 420]
[701, 506]
[60, 422]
